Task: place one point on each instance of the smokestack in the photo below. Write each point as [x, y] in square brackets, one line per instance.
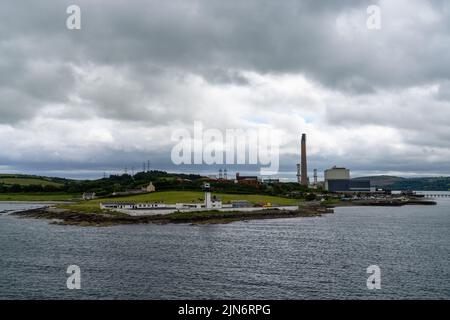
[304, 168]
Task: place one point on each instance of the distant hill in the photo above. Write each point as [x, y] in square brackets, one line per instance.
[399, 183]
[126, 183]
[382, 181]
[21, 183]
[30, 180]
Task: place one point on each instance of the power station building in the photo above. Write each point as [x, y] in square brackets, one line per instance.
[337, 173]
[338, 180]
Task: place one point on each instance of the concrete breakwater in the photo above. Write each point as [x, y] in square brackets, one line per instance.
[396, 202]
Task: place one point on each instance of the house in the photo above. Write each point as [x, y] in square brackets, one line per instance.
[150, 187]
[88, 196]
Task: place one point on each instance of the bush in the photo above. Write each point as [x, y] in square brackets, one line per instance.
[310, 197]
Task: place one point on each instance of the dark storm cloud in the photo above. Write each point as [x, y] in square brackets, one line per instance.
[265, 36]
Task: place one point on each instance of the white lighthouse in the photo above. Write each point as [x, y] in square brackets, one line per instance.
[212, 203]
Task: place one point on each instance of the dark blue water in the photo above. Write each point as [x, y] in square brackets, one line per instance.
[303, 258]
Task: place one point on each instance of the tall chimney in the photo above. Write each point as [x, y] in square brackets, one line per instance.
[299, 175]
[304, 168]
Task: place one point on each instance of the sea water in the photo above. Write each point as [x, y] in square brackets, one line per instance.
[301, 258]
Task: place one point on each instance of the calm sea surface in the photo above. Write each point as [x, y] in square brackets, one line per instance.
[303, 258]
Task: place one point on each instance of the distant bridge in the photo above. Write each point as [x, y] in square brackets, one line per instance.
[437, 195]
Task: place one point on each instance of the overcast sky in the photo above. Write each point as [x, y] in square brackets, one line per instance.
[77, 103]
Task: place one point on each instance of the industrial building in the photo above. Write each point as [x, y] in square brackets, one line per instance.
[347, 185]
[253, 180]
[338, 180]
[336, 173]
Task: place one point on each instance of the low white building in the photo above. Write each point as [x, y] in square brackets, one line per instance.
[135, 206]
[182, 206]
[209, 203]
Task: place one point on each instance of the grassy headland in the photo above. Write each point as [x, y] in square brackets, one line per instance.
[172, 197]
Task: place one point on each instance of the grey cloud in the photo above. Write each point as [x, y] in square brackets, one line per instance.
[444, 91]
[159, 64]
[225, 76]
[265, 36]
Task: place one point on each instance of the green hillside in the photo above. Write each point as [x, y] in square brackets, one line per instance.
[38, 197]
[197, 196]
[419, 184]
[28, 181]
[381, 181]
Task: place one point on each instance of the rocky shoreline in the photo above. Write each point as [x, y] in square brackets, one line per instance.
[67, 217]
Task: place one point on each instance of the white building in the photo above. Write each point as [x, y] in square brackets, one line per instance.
[88, 196]
[150, 187]
[183, 206]
[212, 203]
[135, 206]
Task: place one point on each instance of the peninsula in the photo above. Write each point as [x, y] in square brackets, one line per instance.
[161, 197]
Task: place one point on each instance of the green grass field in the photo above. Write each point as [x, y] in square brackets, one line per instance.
[27, 181]
[37, 197]
[195, 196]
[178, 196]
[331, 202]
